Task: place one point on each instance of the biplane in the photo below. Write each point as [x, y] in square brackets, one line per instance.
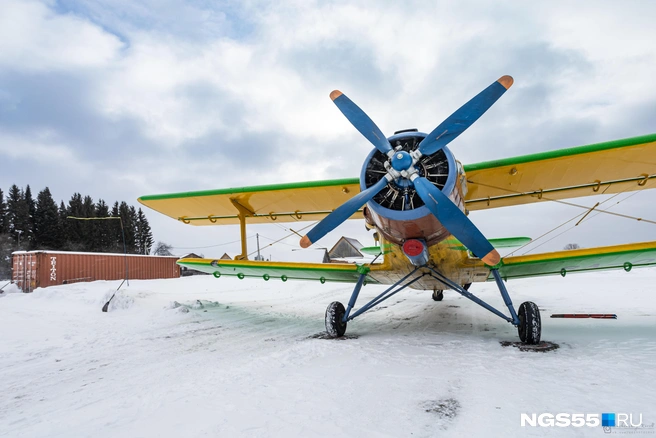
[417, 197]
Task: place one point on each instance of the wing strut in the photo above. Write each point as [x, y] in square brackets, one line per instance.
[243, 214]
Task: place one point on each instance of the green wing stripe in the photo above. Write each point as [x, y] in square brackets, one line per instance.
[583, 260]
[264, 188]
[562, 152]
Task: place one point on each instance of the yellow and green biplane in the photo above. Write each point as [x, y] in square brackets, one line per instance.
[417, 196]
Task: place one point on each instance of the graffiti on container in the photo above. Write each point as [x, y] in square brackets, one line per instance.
[53, 268]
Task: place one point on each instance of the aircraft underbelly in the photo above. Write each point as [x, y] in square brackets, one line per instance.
[455, 264]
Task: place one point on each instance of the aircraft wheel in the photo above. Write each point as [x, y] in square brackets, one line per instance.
[438, 295]
[530, 325]
[466, 286]
[335, 327]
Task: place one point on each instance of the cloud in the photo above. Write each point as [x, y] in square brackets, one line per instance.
[34, 38]
[125, 98]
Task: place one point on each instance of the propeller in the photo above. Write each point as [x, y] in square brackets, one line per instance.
[361, 121]
[455, 221]
[343, 212]
[401, 165]
[464, 117]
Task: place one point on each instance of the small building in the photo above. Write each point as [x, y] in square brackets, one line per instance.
[32, 269]
[225, 256]
[185, 271]
[346, 247]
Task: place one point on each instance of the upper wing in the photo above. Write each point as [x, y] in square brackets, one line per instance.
[261, 204]
[611, 167]
[579, 260]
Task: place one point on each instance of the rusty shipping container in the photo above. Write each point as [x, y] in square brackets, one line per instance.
[32, 269]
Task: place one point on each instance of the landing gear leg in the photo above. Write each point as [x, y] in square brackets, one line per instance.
[527, 322]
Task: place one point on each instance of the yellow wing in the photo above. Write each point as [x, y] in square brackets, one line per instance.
[307, 201]
[611, 167]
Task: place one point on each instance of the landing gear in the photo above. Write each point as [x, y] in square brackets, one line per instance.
[335, 325]
[527, 320]
[530, 326]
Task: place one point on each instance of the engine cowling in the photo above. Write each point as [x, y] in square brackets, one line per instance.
[397, 211]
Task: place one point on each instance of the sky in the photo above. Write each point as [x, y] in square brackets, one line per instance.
[120, 99]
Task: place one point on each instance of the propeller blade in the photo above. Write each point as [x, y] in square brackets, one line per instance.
[456, 221]
[341, 213]
[464, 117]
[361, 121]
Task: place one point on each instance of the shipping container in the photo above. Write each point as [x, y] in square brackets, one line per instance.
[32, 269]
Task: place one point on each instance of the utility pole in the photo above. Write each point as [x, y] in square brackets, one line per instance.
[259, 257]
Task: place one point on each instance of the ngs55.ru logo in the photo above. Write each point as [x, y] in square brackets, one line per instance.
[580, 420]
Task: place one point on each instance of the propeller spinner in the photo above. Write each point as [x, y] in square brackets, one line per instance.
[401, 169]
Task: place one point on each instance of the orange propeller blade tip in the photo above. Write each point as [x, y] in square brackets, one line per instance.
[506, 81]
[335, 94]
[305, 242]
[492, 258]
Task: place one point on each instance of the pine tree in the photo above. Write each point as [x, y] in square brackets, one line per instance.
[18, 216]
[31, 210]
[134, 223]
[144, 234]
[89, 240]
[3, 213]
[6, 243]
[7, 246]
[103, 228]
[73, 228]
[116, 233]
[128, 226]
[63, 226]
[47, 229]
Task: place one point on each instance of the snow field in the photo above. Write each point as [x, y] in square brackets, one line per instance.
[200, 356]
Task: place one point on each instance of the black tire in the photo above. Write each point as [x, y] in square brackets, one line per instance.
[335, 327]
[466, 286]
[530, 325]
[438, 295]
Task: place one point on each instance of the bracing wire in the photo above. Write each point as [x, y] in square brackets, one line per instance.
[582, 215]
[211, 246]
[283, 238]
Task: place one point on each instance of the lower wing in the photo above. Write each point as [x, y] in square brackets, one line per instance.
[579, 260]
[334, 272]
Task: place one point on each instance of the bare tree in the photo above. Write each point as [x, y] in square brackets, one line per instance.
[162, 249]
[571, 246]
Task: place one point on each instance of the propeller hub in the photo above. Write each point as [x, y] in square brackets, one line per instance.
[401, 160]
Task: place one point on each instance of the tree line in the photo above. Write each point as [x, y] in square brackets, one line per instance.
[30, 224]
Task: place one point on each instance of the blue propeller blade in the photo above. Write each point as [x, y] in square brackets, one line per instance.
[456, 221]
[361, 121]
[464, 117]
[341, 213]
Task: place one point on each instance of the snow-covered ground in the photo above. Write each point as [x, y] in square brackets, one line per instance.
[246, 362]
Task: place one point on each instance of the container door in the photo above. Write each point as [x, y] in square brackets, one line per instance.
[18, 271]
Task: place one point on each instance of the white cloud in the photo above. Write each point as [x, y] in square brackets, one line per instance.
[34, 38]
[41, 146]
